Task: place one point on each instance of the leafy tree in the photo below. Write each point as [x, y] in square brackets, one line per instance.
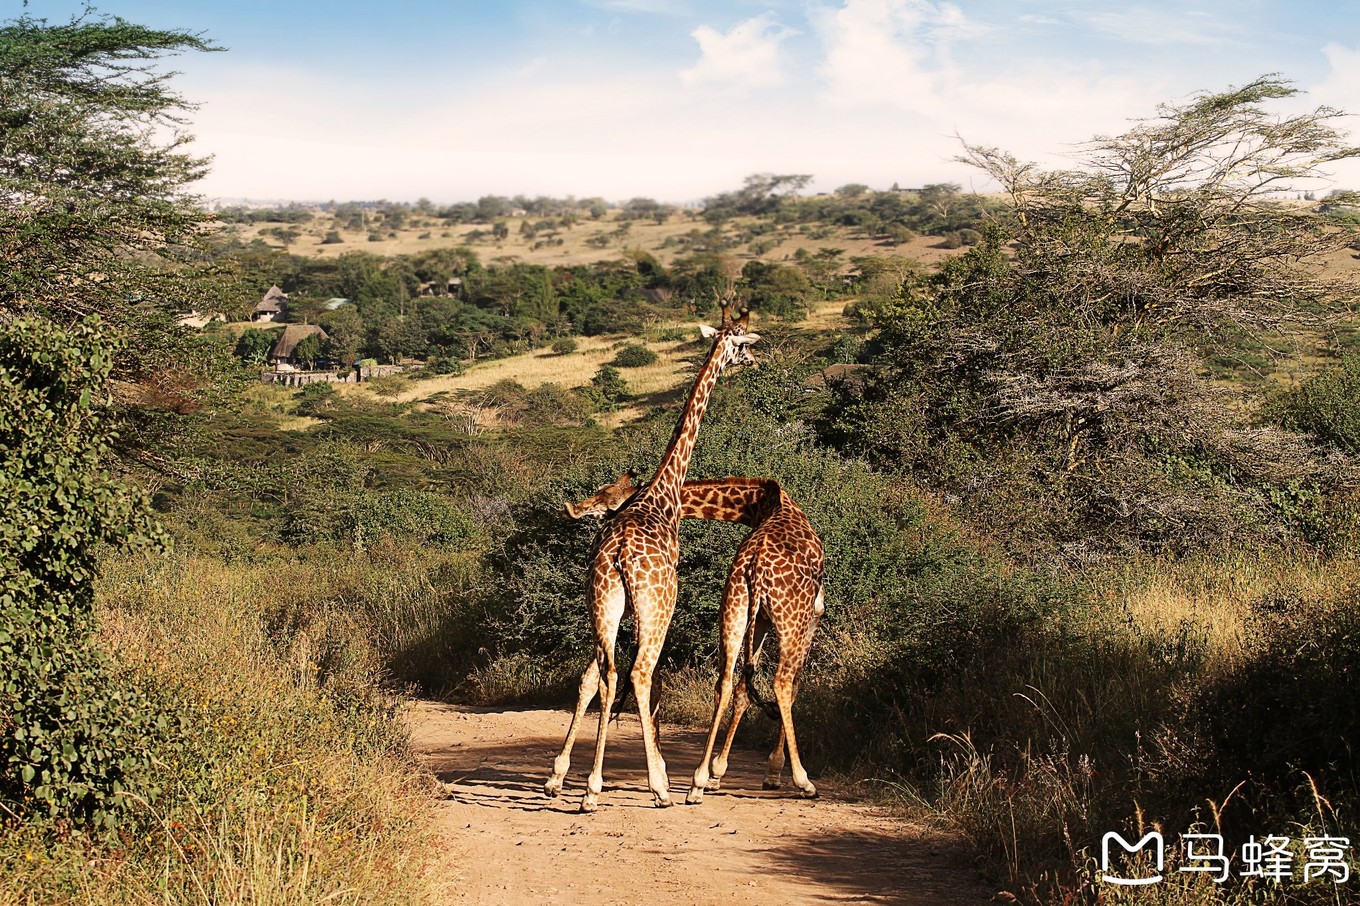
[346, 331]
[607, 388]
[564, 345]
[254, 345]
[778, 289]
[308, 350]
[762, 193]
[634, 355]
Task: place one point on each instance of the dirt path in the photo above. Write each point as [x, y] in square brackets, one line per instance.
[510, 844]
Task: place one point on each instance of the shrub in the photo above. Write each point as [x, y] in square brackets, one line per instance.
[73, 739]
[634, 355]
[607, 388]
[314, 399]
[1325, 406]
[332, 237]
[565, 345]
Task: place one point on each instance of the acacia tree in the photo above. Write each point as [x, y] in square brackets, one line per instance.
[1062, 386]
[95, 215]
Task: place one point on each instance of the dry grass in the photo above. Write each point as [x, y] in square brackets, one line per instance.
[1216, 598]
[284, 780]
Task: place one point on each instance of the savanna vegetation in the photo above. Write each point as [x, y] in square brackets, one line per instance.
[1086, 573]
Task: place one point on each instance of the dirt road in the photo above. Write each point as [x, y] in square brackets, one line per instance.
[509, 844]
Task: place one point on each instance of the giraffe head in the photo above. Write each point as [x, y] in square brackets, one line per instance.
[733, 335]
[607, 499]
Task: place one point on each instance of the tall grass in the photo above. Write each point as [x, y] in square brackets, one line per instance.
[284, 774]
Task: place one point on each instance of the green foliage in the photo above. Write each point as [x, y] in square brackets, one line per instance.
[607, 388]
[331, 502]
[634, 355]
[315, 398]
[74, 739]
[254, 345]
[1326, 406]
[308, 350]
[776, 289]
[1059, 393]
[564, 345]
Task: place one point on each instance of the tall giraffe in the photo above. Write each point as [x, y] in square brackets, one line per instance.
[775, 583]
[633, 566]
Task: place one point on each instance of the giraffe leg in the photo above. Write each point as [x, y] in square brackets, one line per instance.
[785, 691]
[653, 605]
[742, 699]
[774, 765]
[590, 687]
[607, 618]
[734, 615]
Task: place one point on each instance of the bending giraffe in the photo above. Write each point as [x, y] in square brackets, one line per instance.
[775, 583]
[633, 567]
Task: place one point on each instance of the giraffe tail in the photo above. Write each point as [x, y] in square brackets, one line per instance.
[748, 676]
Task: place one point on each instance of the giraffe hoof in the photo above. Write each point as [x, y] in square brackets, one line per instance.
[588, 806]
[810, 792]
[552, 789]
[714, 783]
[772, 785]
[696, 795]
[663, 801]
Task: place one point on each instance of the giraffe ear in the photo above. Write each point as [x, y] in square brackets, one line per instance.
[745, 339]
[708, 332]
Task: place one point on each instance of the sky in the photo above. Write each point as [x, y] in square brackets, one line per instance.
[680, 99]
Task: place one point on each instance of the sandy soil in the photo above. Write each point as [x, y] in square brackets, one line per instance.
[509, 844]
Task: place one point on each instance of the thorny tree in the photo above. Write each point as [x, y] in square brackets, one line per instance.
[1062, 386]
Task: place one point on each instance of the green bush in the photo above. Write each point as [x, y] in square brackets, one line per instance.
[634, 355]
[73, 739]
[314, 399]
[564, 345]
[1326, 406]
[607, 389]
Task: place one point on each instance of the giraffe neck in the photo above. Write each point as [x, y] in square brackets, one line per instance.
[746, 500]
[670, 475]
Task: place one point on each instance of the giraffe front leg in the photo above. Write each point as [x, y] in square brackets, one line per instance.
[590, 687]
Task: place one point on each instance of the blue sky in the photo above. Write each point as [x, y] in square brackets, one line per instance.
[678, 99]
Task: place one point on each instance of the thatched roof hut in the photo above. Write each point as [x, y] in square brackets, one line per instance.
[272, 306]
[292, 335]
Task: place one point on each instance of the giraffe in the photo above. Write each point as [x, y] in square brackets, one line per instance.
[633, 566]
[775, 583]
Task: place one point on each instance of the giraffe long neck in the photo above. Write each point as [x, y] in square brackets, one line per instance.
[670, 475]
[746, 500]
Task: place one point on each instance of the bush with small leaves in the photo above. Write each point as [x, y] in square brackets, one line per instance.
[74, 739]
[634, 355]
[565, 345]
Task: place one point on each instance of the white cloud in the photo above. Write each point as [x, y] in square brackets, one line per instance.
[1341, 88]
[893, 52]
[745, 56]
